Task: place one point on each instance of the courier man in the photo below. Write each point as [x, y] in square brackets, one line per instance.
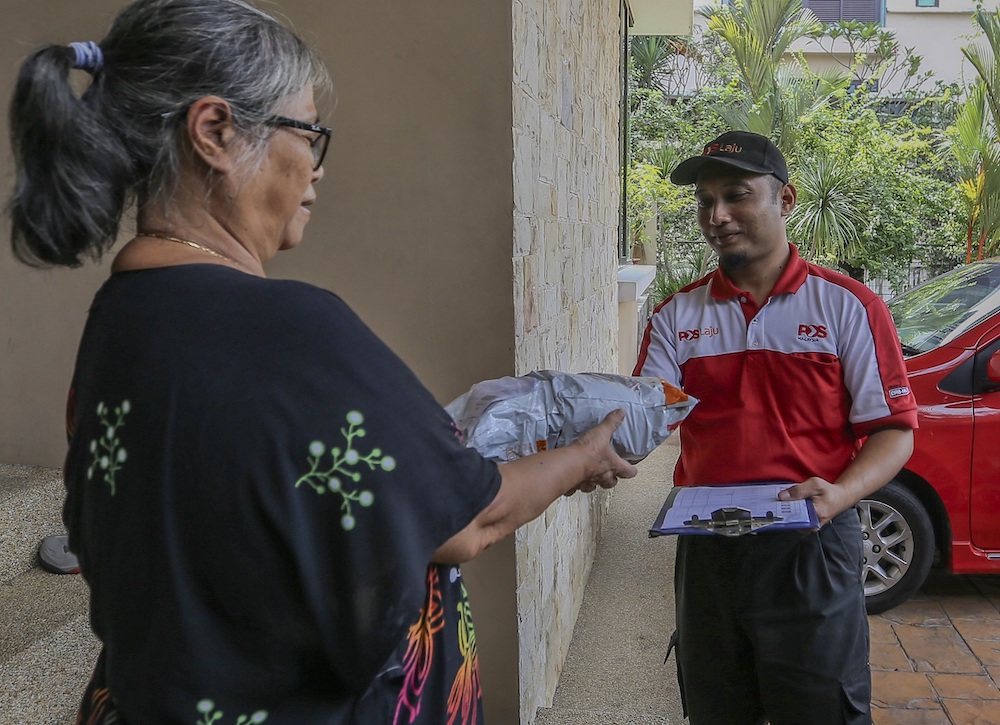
[800, 378]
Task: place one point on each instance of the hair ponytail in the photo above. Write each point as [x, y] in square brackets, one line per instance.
[73, 173]
[81, 161]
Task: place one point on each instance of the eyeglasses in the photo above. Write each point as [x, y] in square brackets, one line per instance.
[318, 145]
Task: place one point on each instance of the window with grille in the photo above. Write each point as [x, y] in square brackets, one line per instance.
[830, 11]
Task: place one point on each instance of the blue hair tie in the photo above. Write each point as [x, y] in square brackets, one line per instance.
[89, 56]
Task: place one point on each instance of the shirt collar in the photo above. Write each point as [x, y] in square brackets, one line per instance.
[792, 277]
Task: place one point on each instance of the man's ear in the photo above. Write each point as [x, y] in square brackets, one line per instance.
[787, 198]
[211, 133]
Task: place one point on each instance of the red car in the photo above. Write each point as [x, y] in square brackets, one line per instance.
[946, 502]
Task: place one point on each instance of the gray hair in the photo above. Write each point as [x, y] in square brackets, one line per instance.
[82, 160]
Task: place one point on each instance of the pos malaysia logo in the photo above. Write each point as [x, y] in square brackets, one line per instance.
[811, 333]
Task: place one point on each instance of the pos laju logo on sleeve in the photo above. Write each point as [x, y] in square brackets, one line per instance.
[689, 335]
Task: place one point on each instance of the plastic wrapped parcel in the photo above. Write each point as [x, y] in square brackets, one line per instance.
[511, 417]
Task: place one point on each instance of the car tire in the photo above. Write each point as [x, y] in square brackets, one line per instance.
[898, 546]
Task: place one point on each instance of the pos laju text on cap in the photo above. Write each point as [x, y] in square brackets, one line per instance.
[740, 149]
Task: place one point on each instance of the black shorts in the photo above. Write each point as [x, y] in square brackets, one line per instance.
[772, 627]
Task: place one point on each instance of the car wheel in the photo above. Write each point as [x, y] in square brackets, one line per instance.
[898, 542]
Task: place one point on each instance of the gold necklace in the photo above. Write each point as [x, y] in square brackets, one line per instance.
[189, 243]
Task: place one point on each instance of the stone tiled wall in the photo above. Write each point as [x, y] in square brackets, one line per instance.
[566, 90]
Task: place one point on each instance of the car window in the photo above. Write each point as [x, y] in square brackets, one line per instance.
[941, 309]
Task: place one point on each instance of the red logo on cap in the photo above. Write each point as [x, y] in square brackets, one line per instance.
[729, 148]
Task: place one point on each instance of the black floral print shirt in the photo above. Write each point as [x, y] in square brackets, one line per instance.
[255, 487]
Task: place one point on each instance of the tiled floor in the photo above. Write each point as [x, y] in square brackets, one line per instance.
[936, 659]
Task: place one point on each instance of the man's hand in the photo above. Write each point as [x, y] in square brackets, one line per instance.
[883, 453]
[828, 499]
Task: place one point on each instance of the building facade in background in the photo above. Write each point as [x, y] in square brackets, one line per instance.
[936, 30]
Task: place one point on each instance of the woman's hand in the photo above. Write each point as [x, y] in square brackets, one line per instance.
[529, 485]
[604, 466]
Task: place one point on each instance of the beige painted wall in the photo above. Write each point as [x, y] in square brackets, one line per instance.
[41, 313]
[413, 228]
[937, 34]
[944, 6]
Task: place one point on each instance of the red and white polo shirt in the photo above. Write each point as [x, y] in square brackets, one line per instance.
[786, 389]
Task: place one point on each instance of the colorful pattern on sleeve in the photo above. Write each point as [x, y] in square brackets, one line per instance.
[466, 692]
[420, 652]
[440, 664]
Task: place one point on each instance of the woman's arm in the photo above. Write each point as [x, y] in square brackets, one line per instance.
[529, 485]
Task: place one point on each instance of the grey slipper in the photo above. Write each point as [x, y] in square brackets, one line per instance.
[54, 555]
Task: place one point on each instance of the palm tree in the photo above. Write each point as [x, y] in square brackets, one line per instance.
[826, 214]
[782, 91]
[653, 56]
[760, 34]
[967, 143]
[985, 61]
[664, 157]
[989, 214]
[976, 147]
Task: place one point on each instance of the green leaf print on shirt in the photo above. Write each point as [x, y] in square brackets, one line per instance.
[106, 451]
[333, 477]
[209, 715]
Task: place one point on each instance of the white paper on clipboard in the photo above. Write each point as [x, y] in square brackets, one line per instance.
[732, 510]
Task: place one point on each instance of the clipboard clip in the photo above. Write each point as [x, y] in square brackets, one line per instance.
[733, 521]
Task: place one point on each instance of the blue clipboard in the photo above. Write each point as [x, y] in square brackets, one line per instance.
[733, 510]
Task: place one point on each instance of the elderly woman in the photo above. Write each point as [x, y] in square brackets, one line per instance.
[268, 506]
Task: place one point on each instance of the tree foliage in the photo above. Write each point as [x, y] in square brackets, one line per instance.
[760, 34]
[974, 143]
[653, 58]
[872, 55]
[899, 210]
[874, 196]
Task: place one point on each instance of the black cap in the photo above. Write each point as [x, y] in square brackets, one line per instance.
[741, 149]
